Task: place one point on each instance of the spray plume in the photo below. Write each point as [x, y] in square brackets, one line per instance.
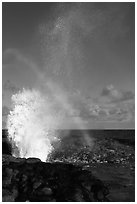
[32, 125]
[37, 115]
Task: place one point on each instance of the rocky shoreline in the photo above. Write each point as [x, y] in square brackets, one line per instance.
[32, 180]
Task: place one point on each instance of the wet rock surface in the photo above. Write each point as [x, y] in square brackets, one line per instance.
[33, 180]
[111, 159]
[105, 150]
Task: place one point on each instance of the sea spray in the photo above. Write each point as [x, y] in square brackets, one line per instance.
[35, 120]
[37, 115]
[32, 125]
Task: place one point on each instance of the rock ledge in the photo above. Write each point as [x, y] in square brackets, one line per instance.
[36, 181]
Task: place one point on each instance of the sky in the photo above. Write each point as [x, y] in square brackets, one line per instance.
[85, 51]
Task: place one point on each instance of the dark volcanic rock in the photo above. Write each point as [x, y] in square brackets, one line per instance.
[33, 180]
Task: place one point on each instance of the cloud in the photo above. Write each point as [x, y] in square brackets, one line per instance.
[116, 113]
[114, 95]
[112, 106]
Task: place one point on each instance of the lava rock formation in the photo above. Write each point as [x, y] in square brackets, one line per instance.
[36, 181]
